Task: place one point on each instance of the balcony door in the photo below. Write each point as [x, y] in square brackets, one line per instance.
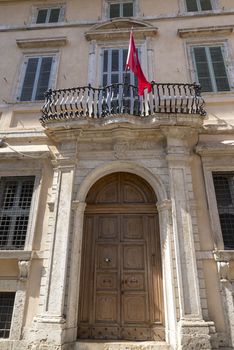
[121, 282]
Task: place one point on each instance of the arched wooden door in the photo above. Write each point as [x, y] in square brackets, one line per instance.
[121, 280]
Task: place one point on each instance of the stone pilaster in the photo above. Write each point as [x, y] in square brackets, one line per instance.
[192, 332]
[50, 325]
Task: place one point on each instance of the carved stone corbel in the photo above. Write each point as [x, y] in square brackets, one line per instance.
[223, 269]
[24, 266]
[223, 258]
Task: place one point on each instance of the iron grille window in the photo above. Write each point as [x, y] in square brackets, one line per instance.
[210, 68]
[7, 300]
[15, 201]
[198, 5]
[121, 9]
[224, 190]
[49, 15]
[37, 78]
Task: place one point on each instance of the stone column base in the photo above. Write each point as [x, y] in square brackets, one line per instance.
[47, 333]
[195, 335]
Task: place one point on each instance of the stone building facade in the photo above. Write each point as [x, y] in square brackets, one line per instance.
[116, 212]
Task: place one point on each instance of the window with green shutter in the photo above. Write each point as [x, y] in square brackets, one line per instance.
[121, 9]
[37, 77]
[49, 15]
[198, 5]
[210, 68]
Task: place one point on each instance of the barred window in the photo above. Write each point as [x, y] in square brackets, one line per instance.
[15, 201]
[224, 190]
[7, 300]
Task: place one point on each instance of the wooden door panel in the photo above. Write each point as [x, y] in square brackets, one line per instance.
[132, 227]
[121, 280]
[106, 308]
[108, 227]
[107, 332]
[135, 308]
[133, 282]
[133, 257]
[106, 281]
[136, 333]
[107, 256]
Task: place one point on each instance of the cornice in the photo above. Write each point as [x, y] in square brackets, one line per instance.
[173, 16]
[120, 33]
[215, 149]
[30, 43]
[205, 31]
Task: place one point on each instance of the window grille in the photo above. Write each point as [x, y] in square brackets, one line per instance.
[224, 190]
[198, 5]
[48, 15]
[121, 9]
[15, 201]
[210, 68]
[7, 300]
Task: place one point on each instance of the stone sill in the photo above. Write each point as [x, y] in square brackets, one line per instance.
[15, 254]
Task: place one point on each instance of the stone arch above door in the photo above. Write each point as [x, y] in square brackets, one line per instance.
[121, 277]
[99, 172]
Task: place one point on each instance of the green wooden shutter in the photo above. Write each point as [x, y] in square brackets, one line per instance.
[128, 9]
[191, 5]
[114, 10]
[205, 5]
[220, 73]
[54, 15]
[29, 79]
[44, 77]
[202, 68]
[41, 16]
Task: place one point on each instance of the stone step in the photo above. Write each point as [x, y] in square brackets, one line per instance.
[121, 345]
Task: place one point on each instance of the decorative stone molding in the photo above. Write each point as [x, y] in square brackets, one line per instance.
[24, 267]
[120, 29]
[205, 31]
[41, 42]
[164, 205]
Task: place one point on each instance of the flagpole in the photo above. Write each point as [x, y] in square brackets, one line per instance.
[125, 78]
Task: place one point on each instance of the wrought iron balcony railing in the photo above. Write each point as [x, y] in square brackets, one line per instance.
[115, 99]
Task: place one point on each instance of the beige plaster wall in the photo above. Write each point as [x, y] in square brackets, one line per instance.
[9, 268]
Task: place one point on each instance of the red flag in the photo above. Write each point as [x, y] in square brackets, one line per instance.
[133, 63]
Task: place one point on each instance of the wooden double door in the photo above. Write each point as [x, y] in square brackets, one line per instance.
[121, 294]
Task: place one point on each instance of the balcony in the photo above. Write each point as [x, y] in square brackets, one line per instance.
[87, 102]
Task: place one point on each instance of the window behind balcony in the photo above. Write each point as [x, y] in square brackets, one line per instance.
[6, 310]
[224, 190]
[49, 15]
[114, 61]
[198, 5]
[210, 68]
[121, 9]
[15, 201]
[37, 77]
